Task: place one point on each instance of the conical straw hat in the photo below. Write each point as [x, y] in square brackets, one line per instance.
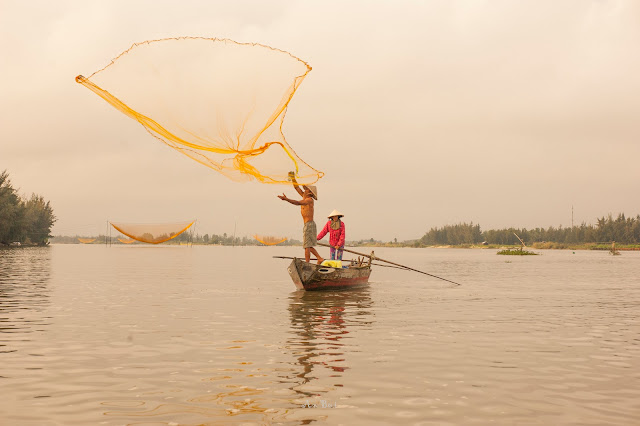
[335, 213]
[313, 190]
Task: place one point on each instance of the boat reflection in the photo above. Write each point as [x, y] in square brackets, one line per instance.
[323, 330]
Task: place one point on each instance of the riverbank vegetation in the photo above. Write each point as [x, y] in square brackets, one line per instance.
[623, 230]
[516, 252]
[23, 221]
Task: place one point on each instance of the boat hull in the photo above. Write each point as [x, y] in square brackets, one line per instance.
[312, 277]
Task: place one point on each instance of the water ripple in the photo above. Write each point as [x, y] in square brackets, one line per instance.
[173, 335]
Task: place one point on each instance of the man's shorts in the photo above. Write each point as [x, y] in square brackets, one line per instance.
[309, 234]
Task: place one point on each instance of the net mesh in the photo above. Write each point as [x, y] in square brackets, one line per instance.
[269, 240]
[152, 233]
[86, 240]
[220, 102]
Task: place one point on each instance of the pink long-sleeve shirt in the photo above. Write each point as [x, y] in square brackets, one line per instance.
[336, 236]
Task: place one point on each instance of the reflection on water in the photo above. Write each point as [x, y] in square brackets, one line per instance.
[321, 324]
[260, 381]
[237, 403]
[24, 275]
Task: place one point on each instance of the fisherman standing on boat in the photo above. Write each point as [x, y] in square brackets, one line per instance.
[309, 230]
[335, 228]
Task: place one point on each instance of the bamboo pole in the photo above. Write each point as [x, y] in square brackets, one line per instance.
[523, 245]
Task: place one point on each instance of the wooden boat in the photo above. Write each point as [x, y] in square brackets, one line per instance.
[312, 277]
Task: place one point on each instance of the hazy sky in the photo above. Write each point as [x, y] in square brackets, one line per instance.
[421, 113]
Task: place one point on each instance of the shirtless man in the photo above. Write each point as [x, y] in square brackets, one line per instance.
[309, 231]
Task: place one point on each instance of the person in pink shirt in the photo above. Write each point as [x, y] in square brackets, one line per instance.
[335, 228]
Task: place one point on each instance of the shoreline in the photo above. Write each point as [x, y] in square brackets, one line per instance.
[535, 246]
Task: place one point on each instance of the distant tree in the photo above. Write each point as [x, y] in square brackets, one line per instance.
[23, 221]
[461, 233]
[183, 237]
[38, 219]
[10, 210]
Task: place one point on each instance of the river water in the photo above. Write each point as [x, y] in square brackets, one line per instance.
[218, 335]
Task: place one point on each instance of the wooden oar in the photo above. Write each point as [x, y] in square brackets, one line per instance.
[397, 264]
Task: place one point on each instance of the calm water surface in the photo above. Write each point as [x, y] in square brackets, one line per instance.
[218, 335]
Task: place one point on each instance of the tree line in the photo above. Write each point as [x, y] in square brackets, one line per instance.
[624, 230]
[185, 237]
[237, 241]
[24, 221]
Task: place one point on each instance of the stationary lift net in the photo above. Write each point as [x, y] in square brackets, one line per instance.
[269, 240]
[152, 233]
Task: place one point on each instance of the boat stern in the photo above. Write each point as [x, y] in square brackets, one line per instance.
[294, 273]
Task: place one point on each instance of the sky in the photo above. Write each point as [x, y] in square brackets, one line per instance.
[420, 113]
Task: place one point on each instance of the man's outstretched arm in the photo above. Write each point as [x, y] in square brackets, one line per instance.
[303, 202]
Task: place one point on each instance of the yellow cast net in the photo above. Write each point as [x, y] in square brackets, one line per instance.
[126, 241]
[86, 240]
[152, 233]
[220, 102]
[269, 240]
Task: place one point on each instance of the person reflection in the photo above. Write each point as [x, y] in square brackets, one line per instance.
[323, 327]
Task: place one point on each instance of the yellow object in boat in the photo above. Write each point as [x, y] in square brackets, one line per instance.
[332, 263]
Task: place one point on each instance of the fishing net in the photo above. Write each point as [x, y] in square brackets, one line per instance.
[268, 240]
[152, 233]
[126, 241]
[220, 102]
[86, 240]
